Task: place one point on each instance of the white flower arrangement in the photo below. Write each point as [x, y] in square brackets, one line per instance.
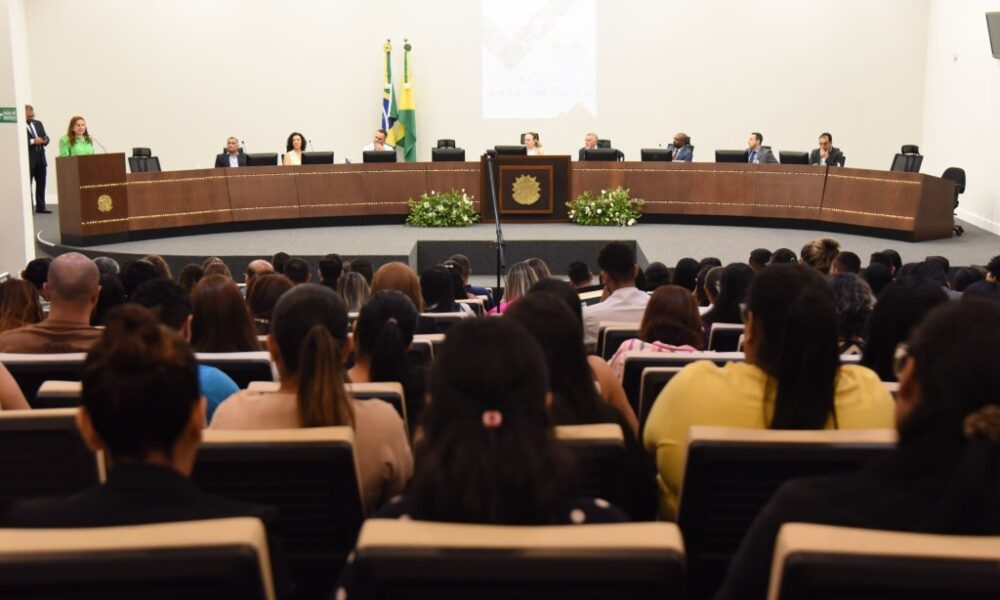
[609, 207]
[444, 209]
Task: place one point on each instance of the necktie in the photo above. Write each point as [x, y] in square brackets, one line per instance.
[753, 156]
[31, 130]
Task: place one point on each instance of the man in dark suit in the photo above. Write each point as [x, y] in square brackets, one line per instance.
[38, 165]
[756, 153]
[826, 154]
[233, 156]
[142, 406]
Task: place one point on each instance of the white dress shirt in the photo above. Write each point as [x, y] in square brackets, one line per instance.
[625, 304]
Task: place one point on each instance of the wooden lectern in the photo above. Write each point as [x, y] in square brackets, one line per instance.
[93, 199]
[529, 188]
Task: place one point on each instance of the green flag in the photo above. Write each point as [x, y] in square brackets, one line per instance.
[407, 120]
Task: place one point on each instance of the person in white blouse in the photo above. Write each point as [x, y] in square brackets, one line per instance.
[378, 144]
[293, 149]
[532, 143]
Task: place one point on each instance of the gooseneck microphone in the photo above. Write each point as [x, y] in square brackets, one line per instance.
[96, 141]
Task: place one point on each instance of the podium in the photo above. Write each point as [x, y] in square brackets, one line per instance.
[93, 199]
[529, 188]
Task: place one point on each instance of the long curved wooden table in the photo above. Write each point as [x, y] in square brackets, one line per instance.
[99, 202]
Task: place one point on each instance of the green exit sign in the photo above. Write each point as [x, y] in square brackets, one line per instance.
[8, 114]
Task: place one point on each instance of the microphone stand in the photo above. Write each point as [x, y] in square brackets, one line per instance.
[501, 244]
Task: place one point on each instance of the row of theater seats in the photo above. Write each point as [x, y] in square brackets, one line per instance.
[310, 475]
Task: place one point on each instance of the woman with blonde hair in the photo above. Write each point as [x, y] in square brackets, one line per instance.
[519, 280]
[532, 144]
[353, 287]
[819, 254]
[309, 344]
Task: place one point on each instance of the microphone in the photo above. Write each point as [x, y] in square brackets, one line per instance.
[244, 145]
[309, 144]
[103, 149]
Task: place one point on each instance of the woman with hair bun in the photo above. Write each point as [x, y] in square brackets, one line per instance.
[791, 379]
[944, 475]
[819, 254]
[309, 344]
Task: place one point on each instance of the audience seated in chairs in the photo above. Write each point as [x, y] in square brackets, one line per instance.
[670, 324]
[792, 377]
[142, 407]
[262, 294]
[733, 284]
[625, 302]
[72, 287]
[222, 321]
[19, 305]
[309, 345]
[854, 305]
[354, 289]
[383, 333]
[942, 478]
[519, 279]
[686, 273]
[438, 290]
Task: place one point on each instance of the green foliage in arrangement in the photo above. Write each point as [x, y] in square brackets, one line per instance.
[610, 207]
[442, 209]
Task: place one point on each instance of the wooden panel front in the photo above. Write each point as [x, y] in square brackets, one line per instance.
[558, 165]
[262, 193]
[447, 176]
[882, 199]
[935, 217]
[789, 191]
[95, 192]
[178, 199]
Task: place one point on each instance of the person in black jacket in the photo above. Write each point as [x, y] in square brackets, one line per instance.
[37, 163]
[142, 407]
[233, 156]
[826, 154]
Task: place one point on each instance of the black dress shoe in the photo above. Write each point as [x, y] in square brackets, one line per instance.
[43, 211]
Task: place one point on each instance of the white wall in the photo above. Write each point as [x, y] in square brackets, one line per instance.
[16, 243]
[962, 106]
[181, 76]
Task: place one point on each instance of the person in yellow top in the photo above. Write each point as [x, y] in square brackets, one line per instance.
[792, 377]
[77, 140]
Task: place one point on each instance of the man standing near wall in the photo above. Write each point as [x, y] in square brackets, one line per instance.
[37, 164]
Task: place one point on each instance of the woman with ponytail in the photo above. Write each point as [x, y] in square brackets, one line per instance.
[943, 477]
[791, 379]
[309, 344]
[383, 333]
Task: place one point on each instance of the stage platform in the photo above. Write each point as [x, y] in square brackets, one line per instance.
[557, 244]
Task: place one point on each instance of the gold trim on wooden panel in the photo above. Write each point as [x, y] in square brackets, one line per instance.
[867, 213]
[875, 179]
[179, 180]
[746, 204]
[689, 171]
[94, 186]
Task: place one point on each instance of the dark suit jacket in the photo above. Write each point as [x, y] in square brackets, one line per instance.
[139, 494]
[222, 160]
[36, 153]
[836, 157]
[764, 156]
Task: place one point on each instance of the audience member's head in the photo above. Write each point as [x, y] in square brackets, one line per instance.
[364, 267]
[895, 260]
[943, 262]
[881, 258]
[438, 290]
[331, 267]
[457, 283]
[464, 265]
[617, 263]
[575, 400]
[700, 291]
[221, 321]
[400, 277]
[218, 268]
[733, 286]
[37, 272]
[993, 269]
[672, 317]
[111, 295]
[657, 274]
[713, 284]
[278, 261]
[819, 254]
[854, 300]
[353, 288]
[168, 301]
[262, 295]
[878, 276]
[520, 277]
[686, 273]
[309, 345]
[579, 274]
[846, 262]
[564, 291]
[141, 399]
[759, 259]
[297, 271]
[900, 307]
[190, 276]
[783, 256]
[965, 277]
[73, 286]
[983, 289]
[19, 304]
[162, 268]
[791, 334]
[383, 333]
[137, 272]
[107, 265]
[538, 267]
[948, 413]
[488, 452]
[710, 261]
[255, 268]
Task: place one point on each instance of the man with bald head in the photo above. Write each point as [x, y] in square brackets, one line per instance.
[72, 286]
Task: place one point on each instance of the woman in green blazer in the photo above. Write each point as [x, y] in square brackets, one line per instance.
[77, 140]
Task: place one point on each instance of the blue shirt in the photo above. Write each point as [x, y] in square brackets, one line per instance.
[215, 386]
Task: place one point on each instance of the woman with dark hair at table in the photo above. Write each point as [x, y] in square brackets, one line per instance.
[293, 150]
[944, 475]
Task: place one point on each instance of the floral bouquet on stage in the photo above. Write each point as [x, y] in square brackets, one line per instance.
[442, 209]
[610, 207]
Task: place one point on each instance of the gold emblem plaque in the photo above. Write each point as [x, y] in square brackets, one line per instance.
[104, 203]
[526, 190]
